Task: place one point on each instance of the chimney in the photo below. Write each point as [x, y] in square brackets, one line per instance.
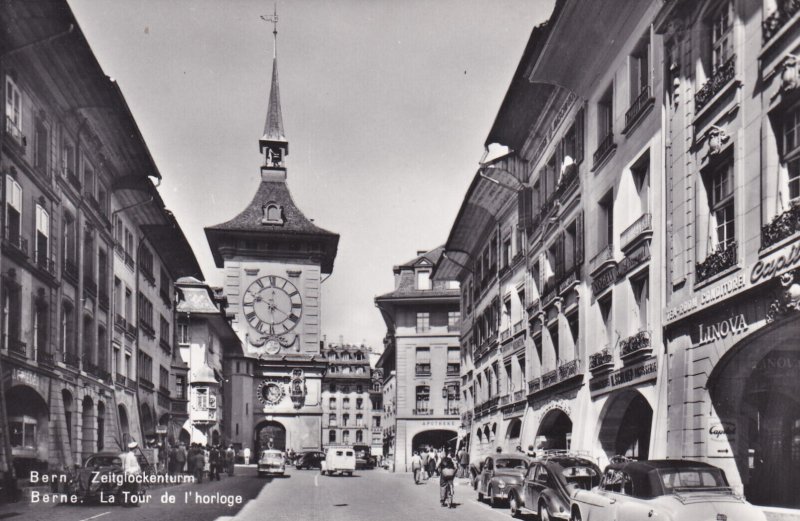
[421, 252]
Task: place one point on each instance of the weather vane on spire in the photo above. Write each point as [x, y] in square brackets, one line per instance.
[273, 18]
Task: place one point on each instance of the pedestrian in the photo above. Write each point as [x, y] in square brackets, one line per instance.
[230, 459]
[162, 451]
[463, 462]
[424, 456]
[247, 455]
[207, 467]
[447, 474]
[416, 466]
[130, 471]
[198, 464]
[180, 459]
[431, 464]
[214, 463]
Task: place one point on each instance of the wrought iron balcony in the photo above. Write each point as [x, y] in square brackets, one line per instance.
[16, 133]
[72, 359]
[638, 107]
[45, 264]
[121, 380]
[564, 372]
[534, 385]
[773, 23]
[601, 360]
[638, 344]
[782, 226]
[129, 260]
[453, 411]
[721, 259]
[643, 226]
[16, 241]
[605, 148]
[423, 412]
[147, 384]
[723, 75]
[16, 346]
[45, 357]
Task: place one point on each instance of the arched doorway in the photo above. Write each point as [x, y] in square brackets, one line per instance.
[625, 425]
[755, 391]
[29, 429]
[512, 433]
[184, 437]
[437, 439]
[87, 427]
[270, 435]
[555, 431]
[124, 426]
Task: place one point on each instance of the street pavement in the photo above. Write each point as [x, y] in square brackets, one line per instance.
[368, 495]
[244, 482]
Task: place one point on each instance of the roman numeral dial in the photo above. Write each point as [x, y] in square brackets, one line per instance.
[272, 305]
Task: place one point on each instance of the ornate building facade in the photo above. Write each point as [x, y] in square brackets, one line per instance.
[274, 259]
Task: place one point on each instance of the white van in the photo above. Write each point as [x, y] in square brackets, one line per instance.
[339, 459]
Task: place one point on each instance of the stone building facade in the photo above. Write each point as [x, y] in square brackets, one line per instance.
[421, 359]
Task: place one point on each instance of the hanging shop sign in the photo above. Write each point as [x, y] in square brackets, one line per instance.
[625, 377]
[728, 327]
[721, 438]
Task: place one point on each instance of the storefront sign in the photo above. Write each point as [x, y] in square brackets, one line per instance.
[25, 377]
[634, 259]
[604, 280]
[518, 343]
[706, 297]
[440, 423]
[721, 438]
[627, 376]
[785, 259]
[731, 326]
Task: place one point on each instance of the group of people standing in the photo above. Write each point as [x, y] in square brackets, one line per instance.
[201, 460]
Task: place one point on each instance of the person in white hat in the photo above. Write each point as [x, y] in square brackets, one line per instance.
[130, 469]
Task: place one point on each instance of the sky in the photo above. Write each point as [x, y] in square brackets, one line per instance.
[386, 106]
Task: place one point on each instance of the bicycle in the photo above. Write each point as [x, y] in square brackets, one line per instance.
[448, 496]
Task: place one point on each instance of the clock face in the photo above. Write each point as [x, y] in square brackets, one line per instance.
[272, 305]
[270, 393]
[273, 346]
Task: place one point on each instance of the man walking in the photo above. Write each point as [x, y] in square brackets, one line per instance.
[198, 464]
[463, 462]
[416, 466]
[214, 463]
[230, 459]
[180, 459]
[130, 471]
[424, 457]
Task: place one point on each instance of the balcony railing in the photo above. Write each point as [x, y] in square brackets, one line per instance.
[505, 335]
[773, 23]
[120, 322]
[639, 105]
[605, 147]
[556, 376]
[15, 132]
[15, 239]
[534, 385]
[72, 359]
[643, 225]
[519, 395]
[600, 360]
[505, 399]
[45, 357]
[120, 379]
[782, 226]
[638, 344]
[549, 378]
[147, 384]
[17, 346]
[519, 326]
[45, 264]
[132, 330]
[453, 411]
[603, 257]
[721, 259]
[723, 75]
[423, 412]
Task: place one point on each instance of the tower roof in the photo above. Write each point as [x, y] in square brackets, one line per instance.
[273, 127]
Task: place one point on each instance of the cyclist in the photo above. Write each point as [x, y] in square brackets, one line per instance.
[447, 474]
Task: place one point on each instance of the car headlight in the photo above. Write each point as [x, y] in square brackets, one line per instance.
[501, 484]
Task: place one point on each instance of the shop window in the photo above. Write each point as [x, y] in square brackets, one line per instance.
[423, 322]
[23, 431]
[13, 211]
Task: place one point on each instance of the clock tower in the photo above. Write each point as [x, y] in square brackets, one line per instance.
[274, 259]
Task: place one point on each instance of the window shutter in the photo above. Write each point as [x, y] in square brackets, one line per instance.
[579, 240]
[560, 254]
[579, 136]
[525, 207]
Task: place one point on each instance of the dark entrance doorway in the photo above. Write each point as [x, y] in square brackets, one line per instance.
[437, 439]
[625, 425]
[555, 431]
[270, 435]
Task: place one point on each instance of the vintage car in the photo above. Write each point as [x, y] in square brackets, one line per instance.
[310, 459]
[668, 490]
[364, 457]
[549, 484]
[272, 462]
[339, 460]
[101, 473]
[500, 474]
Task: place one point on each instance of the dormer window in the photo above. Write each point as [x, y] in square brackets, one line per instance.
[424, 279]
[273, 214]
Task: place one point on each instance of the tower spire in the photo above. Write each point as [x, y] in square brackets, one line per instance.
[273, 143]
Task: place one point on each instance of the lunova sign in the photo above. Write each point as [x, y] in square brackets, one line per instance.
[731, 326]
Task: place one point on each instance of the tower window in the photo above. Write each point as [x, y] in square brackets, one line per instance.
[273, 214]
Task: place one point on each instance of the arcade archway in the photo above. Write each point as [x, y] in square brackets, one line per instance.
[755, 391]
[555, 431]
[29, 429]
[437, 439]
[625, 425]
[270, 435]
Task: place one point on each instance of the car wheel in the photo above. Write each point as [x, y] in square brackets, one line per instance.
[513, 504]
[544, 514]
[575, 515]
[480, 495]
[490, 495]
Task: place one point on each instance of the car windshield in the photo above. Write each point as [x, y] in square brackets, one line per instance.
[511, 464]
[581, 477]
[698, 478]
[272, 455]
[103, 461]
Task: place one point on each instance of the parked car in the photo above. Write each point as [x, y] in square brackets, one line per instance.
[549, 484]
[101, 473]
[271, 461]
[310, 459]
[341, 460]
[500, 474]
[364, 457]
[668, 490]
